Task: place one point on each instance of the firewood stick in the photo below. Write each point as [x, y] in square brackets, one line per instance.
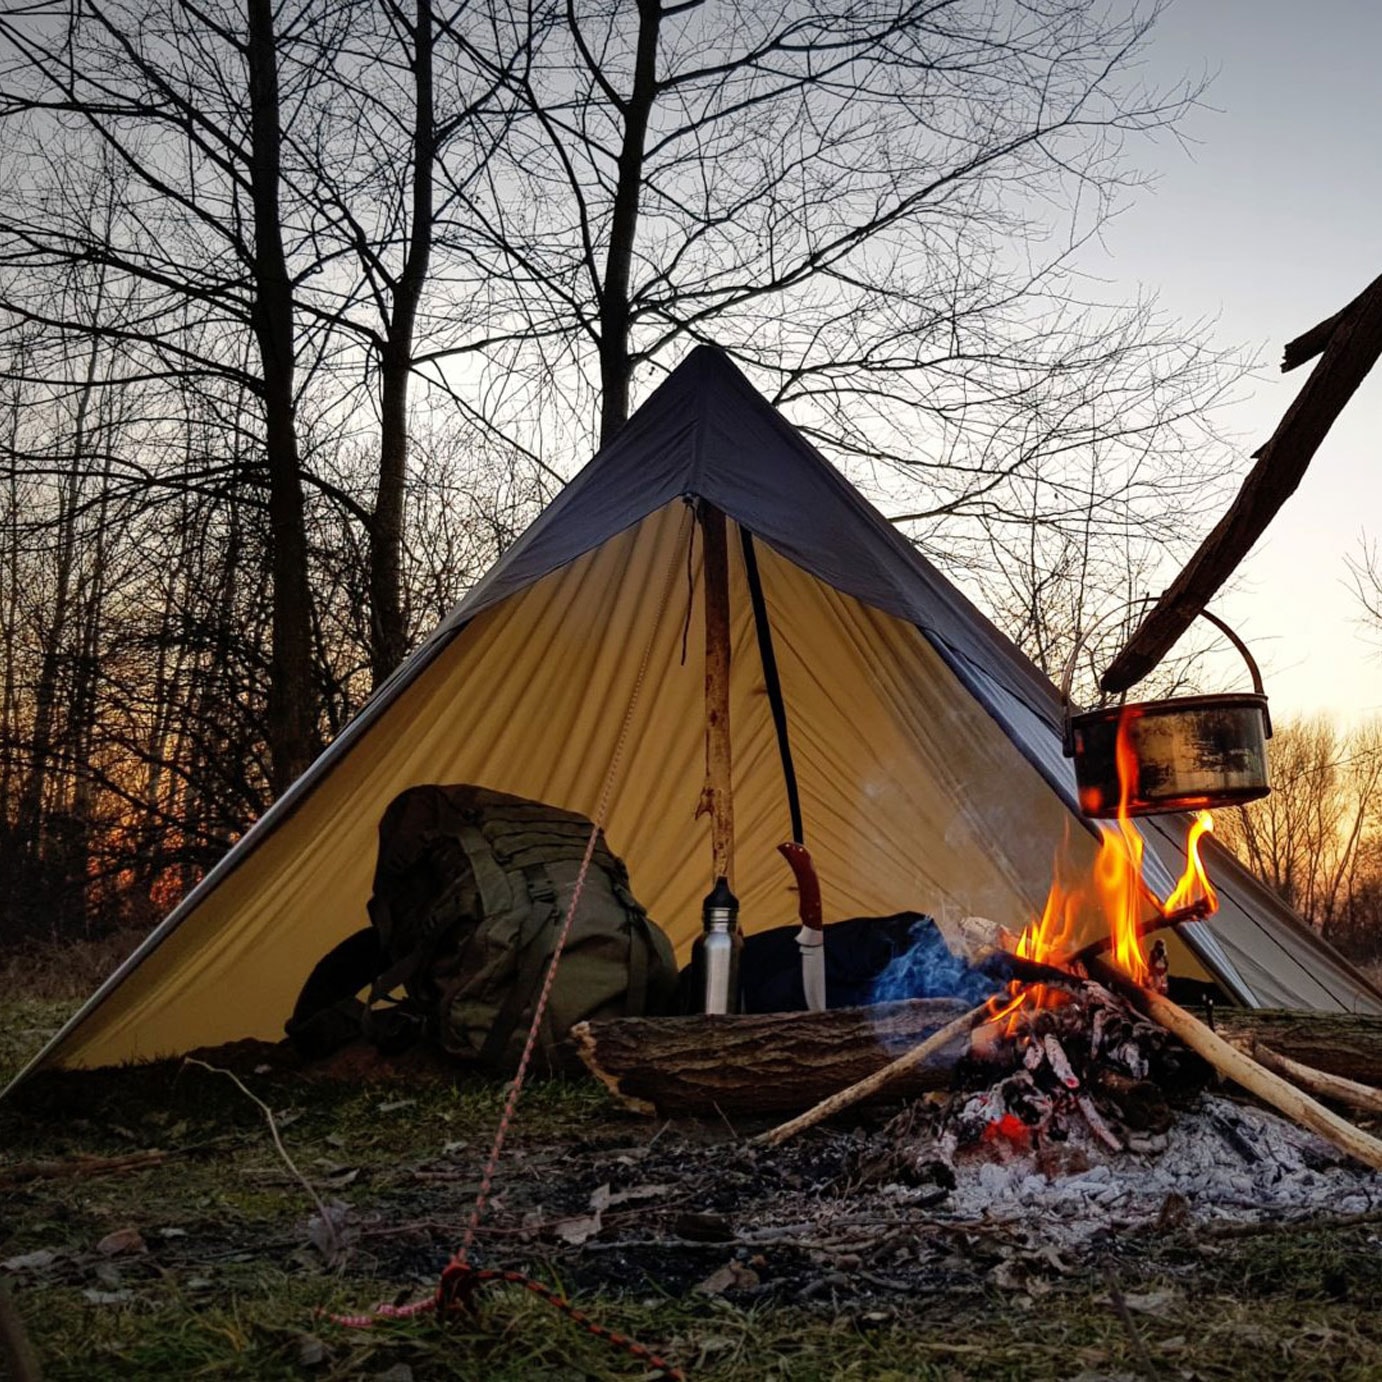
[1243, 1070]
[1362, 1097]
[1196, 911]
[871, 1084]
[1006, 967]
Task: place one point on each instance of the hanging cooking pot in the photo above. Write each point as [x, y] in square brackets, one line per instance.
[1192, 752]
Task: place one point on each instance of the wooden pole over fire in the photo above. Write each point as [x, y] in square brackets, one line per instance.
[1349, 344]
[717, 796]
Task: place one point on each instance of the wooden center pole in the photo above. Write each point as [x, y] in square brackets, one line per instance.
[717, 797]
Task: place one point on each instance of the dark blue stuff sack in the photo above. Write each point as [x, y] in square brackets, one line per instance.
[867, 960]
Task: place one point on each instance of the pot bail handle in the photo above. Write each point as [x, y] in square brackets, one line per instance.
[1242, 647]
[1068, 675]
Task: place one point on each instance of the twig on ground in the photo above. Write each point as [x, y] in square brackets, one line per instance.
[19, 1172]
[1322, 1223]
[328, 1223]
[1139, 1346]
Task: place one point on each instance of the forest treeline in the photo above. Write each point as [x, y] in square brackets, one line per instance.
[306, 310]
[1316, 840]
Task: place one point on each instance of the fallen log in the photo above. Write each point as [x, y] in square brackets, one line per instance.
[783, 1062]
[760, 1062]
[1361, 1097]
[1344, 1044]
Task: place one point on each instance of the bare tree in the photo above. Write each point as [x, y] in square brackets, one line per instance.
[1310, 838]
[1365, 579]
[179, 109]
[407, 93]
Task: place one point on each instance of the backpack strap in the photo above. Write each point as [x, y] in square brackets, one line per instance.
[636, 994]
[535, 945]
[327, 1013]
[496, 894]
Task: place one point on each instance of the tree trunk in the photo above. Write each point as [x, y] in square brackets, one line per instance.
[291, 722]
[615, 311]
[388, 630]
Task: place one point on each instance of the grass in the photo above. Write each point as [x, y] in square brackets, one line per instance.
[228, 1282]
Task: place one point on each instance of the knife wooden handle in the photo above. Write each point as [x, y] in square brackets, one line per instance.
[808, 885]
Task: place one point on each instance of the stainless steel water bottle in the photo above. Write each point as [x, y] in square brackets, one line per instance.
[719, 949]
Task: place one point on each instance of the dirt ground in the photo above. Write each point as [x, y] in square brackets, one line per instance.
[215, 1259]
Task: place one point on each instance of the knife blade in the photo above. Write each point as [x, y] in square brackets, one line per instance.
[811, 937]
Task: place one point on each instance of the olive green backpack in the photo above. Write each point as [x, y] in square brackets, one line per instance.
[470, 891]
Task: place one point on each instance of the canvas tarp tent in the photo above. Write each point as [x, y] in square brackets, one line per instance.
[927, 747]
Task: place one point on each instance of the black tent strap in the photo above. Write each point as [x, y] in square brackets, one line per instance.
[772, 680]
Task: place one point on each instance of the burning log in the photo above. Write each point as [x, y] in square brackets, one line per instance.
[1195, 911]
[873, 1084]
[761, 1062]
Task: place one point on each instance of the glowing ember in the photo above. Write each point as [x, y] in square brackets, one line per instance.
[1116, 888]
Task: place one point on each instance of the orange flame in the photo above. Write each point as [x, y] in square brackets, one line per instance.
[1118, 868]
[1119, 891]
[1194, 885]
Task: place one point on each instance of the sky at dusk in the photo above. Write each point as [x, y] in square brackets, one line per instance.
[1269, 222]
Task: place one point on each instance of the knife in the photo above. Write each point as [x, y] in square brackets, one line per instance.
[811, 937]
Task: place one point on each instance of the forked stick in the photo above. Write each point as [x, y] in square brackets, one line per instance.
[871, 1084]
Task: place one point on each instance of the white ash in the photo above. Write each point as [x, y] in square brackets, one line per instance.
[1219, 1161]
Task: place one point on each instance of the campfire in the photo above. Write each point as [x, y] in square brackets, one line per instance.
[1085, 1043]
[1069, 1047]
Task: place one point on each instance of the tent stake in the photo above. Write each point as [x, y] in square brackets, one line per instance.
[717, 797]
